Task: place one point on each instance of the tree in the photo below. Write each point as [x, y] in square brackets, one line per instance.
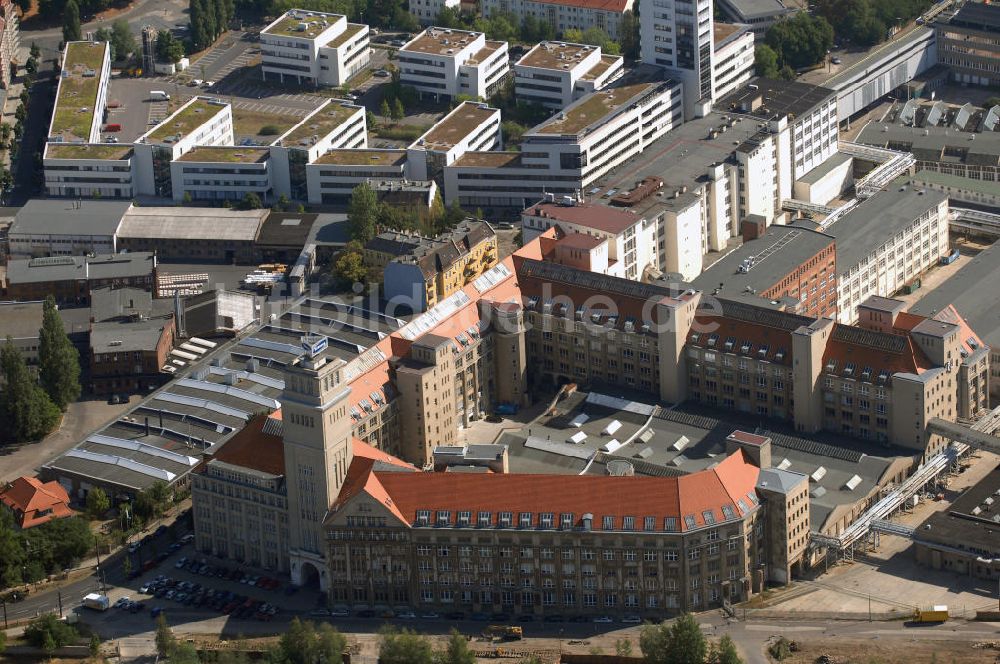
[687, 643]
[168, 48]
[97, 503]
[36, 51]
[184, 653]
[350, 267]
[726, 651]
[251, 201]
[165, 641]
[200, 38]
[71, 22]
[24, 5]
[58, 360]
[31, 66]
[95, 646]
[629, 35]
[25, 408]
[403, 647]
[362, 212]
[49, 633]
[679, 643]
[303, 643]
[766, 61]
[800, 41]
[384, 110]
[398, 112]
[623, 648]
[456, 650]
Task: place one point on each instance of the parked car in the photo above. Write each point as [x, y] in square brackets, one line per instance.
[603, 619]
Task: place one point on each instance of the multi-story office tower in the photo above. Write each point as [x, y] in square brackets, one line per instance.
[734, 58]
[313, 48]
[555, 74]
[445, 63]
[969, 44]
[677, 35]
[562, 16]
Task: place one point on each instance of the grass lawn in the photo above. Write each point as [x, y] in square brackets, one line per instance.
[249, 123]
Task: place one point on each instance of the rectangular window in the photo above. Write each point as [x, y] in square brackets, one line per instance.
[524, 520]
[485, 519]
[609, 523]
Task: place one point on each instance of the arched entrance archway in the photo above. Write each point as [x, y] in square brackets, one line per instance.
[309, 576]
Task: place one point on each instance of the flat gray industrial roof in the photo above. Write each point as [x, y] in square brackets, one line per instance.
[821, 171]
[126, 336]
[20, 320]
[779, 98]
[683, 440]
[957, 181]
[928, 143]
[69, 268]
[777, 253]
[681, 158]
[869, 225]
[973, 290]
[748, 9]
[971, 523]
[202, 407]
[172, 223]
[55, 216]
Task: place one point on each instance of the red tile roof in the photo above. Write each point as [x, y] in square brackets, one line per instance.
[253, 447]
[580, 241]
[732, 480]
[34, 502]
[598, 217]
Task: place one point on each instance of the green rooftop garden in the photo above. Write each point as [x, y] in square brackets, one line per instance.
[186, 120]
[319, 124]
[75, 105]
[288, 26]
[234, 155]
[352, 29]
[102, 151]
[363, 157]
[597, 106]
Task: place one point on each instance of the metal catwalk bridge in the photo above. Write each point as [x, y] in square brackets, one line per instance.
[876, 517]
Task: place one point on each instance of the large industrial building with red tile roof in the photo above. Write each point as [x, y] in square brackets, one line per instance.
[33, 502]
[324, 496]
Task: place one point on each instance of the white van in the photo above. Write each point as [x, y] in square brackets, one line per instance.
[159, 95]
